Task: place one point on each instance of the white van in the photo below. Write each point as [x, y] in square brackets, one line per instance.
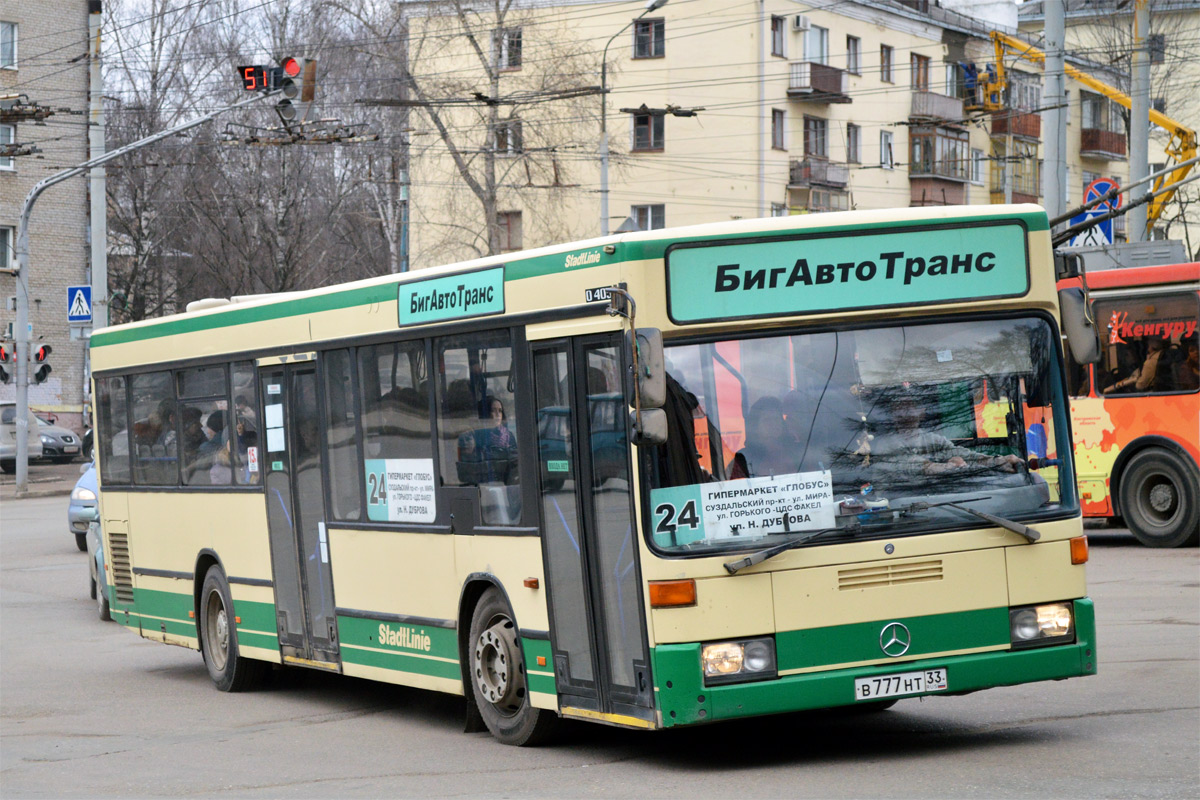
[8, 436]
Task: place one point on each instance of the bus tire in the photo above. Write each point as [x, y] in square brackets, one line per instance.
[218, 637]
[1159, 499]
[497, 675]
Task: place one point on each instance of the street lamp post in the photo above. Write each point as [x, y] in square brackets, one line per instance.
[651, 5]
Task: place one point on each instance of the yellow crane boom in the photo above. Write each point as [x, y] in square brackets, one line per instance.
[1180, 148]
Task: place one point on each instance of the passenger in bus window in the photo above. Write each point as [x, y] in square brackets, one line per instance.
[1187, 373]
[770, 449]
[1147, 377]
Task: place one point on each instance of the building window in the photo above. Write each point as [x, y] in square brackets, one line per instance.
[887, 159]
[816, 45]
[779, 209]
[649, 38]
[777, 29]
[853, 54]
[920, 73]
[508, 138]
[507, 43]
[8, 45]
[1020, 165]
[816, 138]
[886, 54]
[8, 255]
[648, 132]
[649, 217]
[978, 159]
[509, 223]
[777, 128]
[1159, 104]
[1025, 92]
[8, 135]
[1097, 112]
[955, 82]
[853, 143]
[938, 151]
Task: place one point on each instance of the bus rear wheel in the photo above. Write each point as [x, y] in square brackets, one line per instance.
[229, 670]
[1159, 499]
[497, 675]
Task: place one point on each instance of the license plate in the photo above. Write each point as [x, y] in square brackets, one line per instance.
[70, 449]
[902, 683]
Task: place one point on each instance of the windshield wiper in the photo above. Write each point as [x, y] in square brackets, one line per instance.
[732, 567]
[1031, 535]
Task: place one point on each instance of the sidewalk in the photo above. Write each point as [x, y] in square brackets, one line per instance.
[45, 480]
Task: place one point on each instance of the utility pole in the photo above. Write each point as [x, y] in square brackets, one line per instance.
[1139, 118]
[23, 330]
[1054, 118]
[97, 191]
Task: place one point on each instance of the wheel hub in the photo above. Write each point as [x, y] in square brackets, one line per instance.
[1162, 497]
[494, 664]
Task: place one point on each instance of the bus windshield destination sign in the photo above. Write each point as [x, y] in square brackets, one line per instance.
[845, 271]
[469, 294]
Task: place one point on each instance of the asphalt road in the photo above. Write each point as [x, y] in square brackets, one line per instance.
[88, 709]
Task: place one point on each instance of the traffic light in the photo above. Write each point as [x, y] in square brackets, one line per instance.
[298, 85]
[5, 357]
[41, 370]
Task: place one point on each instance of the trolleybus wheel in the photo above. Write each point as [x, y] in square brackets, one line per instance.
[1159, 499]
[218, 638]
[497, 676]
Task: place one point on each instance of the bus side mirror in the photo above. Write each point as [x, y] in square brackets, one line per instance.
[651, 368]
[1078, 325]
[652, 431]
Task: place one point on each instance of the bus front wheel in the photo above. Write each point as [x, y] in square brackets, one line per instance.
[497, 676]
[229, 670]
[1159, 499]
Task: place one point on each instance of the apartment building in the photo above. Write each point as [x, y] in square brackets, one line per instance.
[1102, 31]
[719, 110]
[41, 44]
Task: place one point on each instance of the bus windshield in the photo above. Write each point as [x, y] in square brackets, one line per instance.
[866, 432]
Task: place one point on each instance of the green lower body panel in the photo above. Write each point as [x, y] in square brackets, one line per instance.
[684, 699]
[167, 612]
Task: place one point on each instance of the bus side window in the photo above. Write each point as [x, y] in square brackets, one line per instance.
[476, 438]
[155, 430]
[341, 436]
[112, 438]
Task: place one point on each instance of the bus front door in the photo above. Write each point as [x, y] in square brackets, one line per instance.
[295, 493]
[598, 631]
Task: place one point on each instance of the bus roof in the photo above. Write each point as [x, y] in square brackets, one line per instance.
[1144, 276]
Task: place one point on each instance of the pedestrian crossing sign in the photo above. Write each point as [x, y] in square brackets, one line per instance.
[79, 304]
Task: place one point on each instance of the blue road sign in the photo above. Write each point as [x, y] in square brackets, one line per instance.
[79, 304]
[1101, 233]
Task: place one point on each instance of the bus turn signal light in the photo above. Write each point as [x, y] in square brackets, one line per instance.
[672, 594]
[1079, 550]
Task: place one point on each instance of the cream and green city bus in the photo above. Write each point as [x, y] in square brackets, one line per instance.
[658, 479]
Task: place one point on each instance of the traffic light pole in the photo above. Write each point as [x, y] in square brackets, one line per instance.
[23, 331]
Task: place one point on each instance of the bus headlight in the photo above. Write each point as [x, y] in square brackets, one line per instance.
[1032, 626]
[738, 661]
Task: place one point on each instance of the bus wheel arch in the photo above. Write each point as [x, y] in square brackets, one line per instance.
[217, 633]
[494, 667]
[1157, 492]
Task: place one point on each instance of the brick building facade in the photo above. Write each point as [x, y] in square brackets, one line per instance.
[43, 57]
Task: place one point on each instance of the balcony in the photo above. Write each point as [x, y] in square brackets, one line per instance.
[817, 83]
[933, 106]
[818, 172]
[1101, 143]
[1017, 123]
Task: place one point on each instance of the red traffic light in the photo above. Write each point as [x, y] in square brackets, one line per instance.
[291, 67]
[4, 356]
[42, 353]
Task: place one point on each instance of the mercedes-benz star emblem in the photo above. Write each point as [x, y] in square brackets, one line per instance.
[894, 639]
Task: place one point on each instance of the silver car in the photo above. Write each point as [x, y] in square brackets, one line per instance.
[8, 437]
[59, 444]
[83, 505]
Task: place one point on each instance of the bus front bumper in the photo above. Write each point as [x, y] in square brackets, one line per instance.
[683, 699]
